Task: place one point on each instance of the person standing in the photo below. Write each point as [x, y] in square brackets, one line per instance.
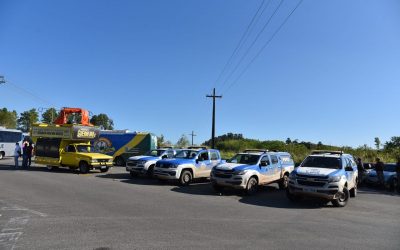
[29, 151]
[379, 171]
[398, 174]
[360, 168]
[17, 154]
[24, 154]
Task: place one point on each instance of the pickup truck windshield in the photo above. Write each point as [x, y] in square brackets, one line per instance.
[186, 154]
[322, 162]
[85, 149]
[248, 159]
[156, 152]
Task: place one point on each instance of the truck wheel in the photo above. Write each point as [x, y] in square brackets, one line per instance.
[218, 188]
[150, 171]
[119, 161]
[133, 174]
[343, 198]
[83, 167]
[353, 191]
[292, 197]
[186, 178]
[50, 168]
[393, 185]
[252, 186]
[283, 183]
[1, 155]
[104, 170]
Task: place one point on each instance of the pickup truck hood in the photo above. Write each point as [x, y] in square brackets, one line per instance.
[317, 171]
[177, 161]
[144, 158]
[234, 166]
[94, 155]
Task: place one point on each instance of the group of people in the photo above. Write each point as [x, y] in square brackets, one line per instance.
[379, 168]
[25, 152]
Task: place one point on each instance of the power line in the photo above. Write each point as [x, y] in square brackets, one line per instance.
[252, 44]
[239, 45]
[263, 47]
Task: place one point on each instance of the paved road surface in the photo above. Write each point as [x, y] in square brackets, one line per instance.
[65, 210]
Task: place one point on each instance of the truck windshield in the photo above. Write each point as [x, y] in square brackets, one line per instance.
[186, 154]
[157, 152]
[248, 159]
[322, 162]
[85, 149]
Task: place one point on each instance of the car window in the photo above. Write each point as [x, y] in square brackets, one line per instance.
[203, 156]
[70, 148]
[323, 162]
[265, 159]
[214, 156]
[274, 159]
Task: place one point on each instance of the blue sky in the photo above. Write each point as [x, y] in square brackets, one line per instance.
[331, 74]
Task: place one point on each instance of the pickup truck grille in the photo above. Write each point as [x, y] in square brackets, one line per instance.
[131, 163]
[312, 180]
[163, 165]
[311, 183]
[102, 160]
[223, 173]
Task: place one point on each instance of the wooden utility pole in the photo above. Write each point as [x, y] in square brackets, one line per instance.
[213, 96]
[192, 134]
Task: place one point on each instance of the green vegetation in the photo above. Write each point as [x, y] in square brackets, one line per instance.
[229, 144]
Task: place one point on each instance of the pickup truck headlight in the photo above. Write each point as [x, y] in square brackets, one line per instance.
[95, 160]
[335, 178]
[240, 172]
[141, 162]
[173, 166]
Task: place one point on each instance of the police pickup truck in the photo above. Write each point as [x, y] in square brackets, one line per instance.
[144, 164]
[252, 168]
[330, 175]
[188, 164]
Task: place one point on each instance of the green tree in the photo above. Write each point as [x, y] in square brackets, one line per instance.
[8, 119]
[49, 115]
[102, 120]
[26, 119]
[183, 142]
[377, 143]
[288, 141]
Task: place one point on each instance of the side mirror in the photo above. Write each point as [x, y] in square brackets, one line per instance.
[263, 164]
[348, 168]
[164, 156]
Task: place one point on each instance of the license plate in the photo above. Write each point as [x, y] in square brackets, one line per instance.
[103, 167]
[310, 190]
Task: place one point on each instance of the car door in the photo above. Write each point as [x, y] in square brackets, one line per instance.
[275, 167]
[203, 163]
[266, 173]
[68, 156]
[349, 174]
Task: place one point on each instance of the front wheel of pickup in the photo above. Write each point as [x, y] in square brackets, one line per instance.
[341, 201]
[150, 171]
[104, 170]
[353, 191]
[119, 161]
[83, 167]
[186, 178]
[252, 186]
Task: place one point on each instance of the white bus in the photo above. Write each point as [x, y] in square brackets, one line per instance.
[8, 138]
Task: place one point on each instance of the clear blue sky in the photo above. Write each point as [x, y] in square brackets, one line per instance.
[331, 74]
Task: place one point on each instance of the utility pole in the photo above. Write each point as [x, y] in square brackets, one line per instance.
[213, 96]
[192, 134]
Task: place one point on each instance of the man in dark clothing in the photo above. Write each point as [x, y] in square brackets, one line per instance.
[398, 174]
[379, 171]
[29, 150]
[25, 154]
[360, 168]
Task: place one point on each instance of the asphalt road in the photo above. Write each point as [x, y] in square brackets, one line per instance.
[66, 210]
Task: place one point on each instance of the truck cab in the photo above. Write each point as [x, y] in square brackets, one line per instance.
[144, 164]
[252, 168]
[187, 165]
[329, 175]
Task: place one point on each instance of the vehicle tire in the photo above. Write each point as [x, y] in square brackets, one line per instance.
[186, 178]
[283, 183]
[50, 168]
[217, 188]
[1, 155]
[342, 200]
[83, 167]
[133, 174]
[292, 197]
[353, 191]
[105, 170]
[252, 186]
[119, 161]
[150, 171]
[393, 185]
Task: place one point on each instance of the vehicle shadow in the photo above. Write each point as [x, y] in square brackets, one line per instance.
[377, 190]
[37, 169]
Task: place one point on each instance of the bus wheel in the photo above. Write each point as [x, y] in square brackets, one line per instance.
[83, 167]
[119, 161]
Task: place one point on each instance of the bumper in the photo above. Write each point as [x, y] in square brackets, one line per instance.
[319, 192]
[166, 174]
[101, 164]
[137, 169]
[237, 182]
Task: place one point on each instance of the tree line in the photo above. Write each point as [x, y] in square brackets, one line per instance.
[23, 121]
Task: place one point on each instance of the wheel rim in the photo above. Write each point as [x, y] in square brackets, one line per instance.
[285, 181]
[186, 178]
[252, 185]
[343, 197]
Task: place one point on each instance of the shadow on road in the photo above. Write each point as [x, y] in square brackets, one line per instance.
[37, 169]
